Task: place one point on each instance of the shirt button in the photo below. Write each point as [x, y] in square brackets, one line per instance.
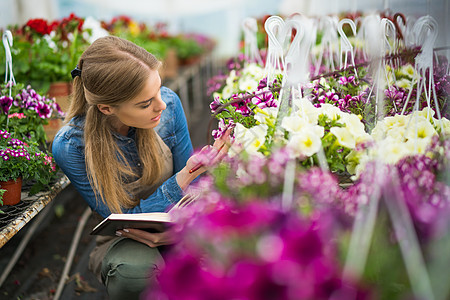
[139, 164]
[129, 142]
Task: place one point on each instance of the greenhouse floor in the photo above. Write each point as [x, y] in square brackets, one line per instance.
[37, 273]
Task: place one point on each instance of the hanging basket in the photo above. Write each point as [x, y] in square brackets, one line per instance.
[13, 192]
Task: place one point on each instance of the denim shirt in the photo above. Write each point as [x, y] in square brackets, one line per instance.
[68, 151]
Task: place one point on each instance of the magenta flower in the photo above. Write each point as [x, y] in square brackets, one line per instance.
[242, 106]
[214, 105]
[346, 80]
[44, 110]
[263, 100]
[5, 103]
[262, 83]
[222, 128]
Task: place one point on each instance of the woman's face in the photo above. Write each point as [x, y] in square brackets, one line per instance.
[144, 111]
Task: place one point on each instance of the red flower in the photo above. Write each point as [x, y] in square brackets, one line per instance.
[39, 25]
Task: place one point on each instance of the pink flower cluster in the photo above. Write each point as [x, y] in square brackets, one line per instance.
[17, 115]
[14, 148]
[254, 251]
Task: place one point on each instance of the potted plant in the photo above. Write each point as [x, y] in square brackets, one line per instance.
[27, 114]
[23, 162]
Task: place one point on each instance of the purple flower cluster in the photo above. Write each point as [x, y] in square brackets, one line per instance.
[216, 83]
[396, 99]
[427, 198]
[214, 105]
[28, 99]
[236, 63]
[321, 186]
[417, 184]
[6, 154]
[257, 175]
[345, 102]
[442, 85]
[347, 80]
[254, 251]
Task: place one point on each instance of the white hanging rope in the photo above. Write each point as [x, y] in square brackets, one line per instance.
[251, 51]
[425, 31]
[275, 56]
[346, 46]
[7, 43]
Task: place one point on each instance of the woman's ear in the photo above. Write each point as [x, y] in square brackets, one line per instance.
[105, 109]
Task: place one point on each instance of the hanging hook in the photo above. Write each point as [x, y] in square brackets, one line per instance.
[397, 25]
[274, 62]
[251, 51]
[346, 46]
[7, 43]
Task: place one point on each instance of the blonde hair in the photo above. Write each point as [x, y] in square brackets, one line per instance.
[113, 71]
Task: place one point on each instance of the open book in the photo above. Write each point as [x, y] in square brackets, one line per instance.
[153, 222]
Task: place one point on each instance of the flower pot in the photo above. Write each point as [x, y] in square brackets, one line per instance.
[52, 128]
[169, 68]
[13, 191]
[60, 91]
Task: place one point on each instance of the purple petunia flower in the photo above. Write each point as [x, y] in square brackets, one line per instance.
[241, 106]
[44, 110]
[264, 100]
[222, 127]
[214, 105]
[262, 83]
[5, 103]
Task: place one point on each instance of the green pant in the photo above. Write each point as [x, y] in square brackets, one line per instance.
[129, 267]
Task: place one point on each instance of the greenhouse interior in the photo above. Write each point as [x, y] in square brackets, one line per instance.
[225, 150]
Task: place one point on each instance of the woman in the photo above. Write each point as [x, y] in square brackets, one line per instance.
[126, 149]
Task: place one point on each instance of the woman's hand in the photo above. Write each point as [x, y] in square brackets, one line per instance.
[208, 156]
[149, 238]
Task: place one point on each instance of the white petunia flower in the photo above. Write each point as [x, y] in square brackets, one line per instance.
[344, 137]
[331, 111]
[417, 146]
[307, 109]
[254, 71]
[305, 143]
[265, 114]
[420, 128]
[248, 84]
[227, 92]
[231, 78]
[251, 139]
[295, 124]
[403, 83]
[391, 151]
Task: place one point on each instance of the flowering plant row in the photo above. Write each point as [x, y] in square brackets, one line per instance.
[157, 40]
[46, 51]
[339, 112]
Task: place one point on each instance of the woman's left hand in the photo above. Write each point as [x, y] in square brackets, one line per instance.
[149, 238]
